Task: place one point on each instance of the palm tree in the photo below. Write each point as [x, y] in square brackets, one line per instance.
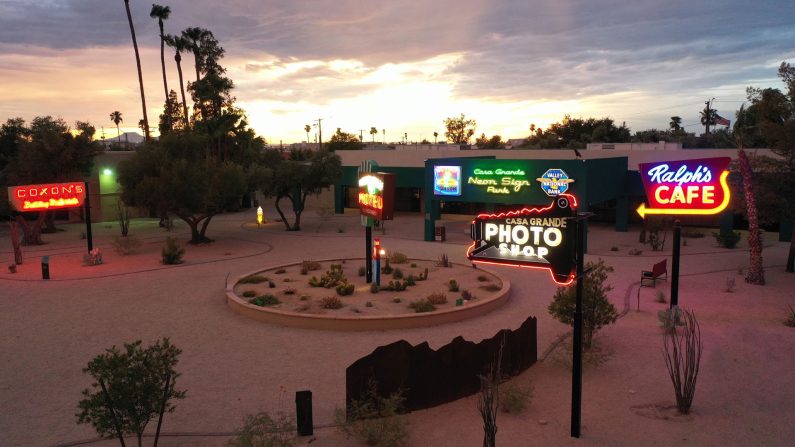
[373, 132]
[708, 118]
[115, 116]
[180, 45]
[140, 74]
[161, 13]
[384, 132]
[676, 123]
[756, 272]
[193, 36]
[435, 136]
[307, 128]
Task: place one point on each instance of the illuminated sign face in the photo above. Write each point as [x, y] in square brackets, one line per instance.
[685, 186]
[499, 180]
[447, 180]
[377, 195]
[47, 196]
[531, 237]
[554, 182]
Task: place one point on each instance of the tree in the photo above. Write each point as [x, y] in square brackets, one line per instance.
[115, 116]
[495, 142]
[373, 133]
[132, 386]
[296, 179]
[781, 178]
[708, 117]
[180, 45]
[756, 272]
[597, 311]
[171, 118]
[435, 136]
[576, 133]
[307, 128]
[459, 129]
[787, 74]
[161, 13]
[171, 176]
[676, 124]
[140, 74]
[344, 141]
[47, 152]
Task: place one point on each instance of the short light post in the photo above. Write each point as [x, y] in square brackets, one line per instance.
[259, 216]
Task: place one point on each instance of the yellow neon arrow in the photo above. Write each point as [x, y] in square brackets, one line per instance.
[642, 210]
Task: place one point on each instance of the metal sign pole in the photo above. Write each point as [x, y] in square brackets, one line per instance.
[675, 265]
[576, 370]
[368, 248]
[89, 238]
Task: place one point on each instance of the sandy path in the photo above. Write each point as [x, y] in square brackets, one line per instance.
[232, 366]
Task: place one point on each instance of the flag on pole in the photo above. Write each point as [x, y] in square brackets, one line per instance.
[722, 121]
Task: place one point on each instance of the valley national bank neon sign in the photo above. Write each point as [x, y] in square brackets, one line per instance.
[47, 196]
[686, 187]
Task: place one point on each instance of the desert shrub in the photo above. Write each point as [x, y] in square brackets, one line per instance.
[728, 241]
[437, 298]
[265, 300]
[424, 275]
[386, 268]
[452, 285]
[287, 280]
[421, 306]
[483, 278]
[172, 252]
[596, 309]
[374, 288]
[368, 304]
[467, 295]
[304, 297]
[693, 233]
[345, 289]
[669, 319]
[94, 257]
[491, 287]
[682, 347]
[444, 261]
[730, 284]
[635, 252]
[253, 279]
[613, 248]
[304, 271]
[355, 310]
[271, 284]
[790, 321]
[330, 302]
[261, 430]
[280, 271]
[125, 245]
[395, 286]
[413, 265]
[362, 271]
[310, 265]
[249, 294]
[397, 257]
[289, 291]
[397, 274]
[374, 419]
[661, 296]
[332, 278]
[410, 281]
[514, 399]
[396, 300]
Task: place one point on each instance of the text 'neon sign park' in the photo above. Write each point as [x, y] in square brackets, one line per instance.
[499, 180]
[47, 196]
[689, 187]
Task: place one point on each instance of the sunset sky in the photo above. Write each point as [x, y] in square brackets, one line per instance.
[403, 66]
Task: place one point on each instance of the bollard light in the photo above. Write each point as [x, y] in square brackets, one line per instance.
[259, 216]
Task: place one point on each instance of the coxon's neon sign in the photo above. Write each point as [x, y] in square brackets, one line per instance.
[377, 195]
[47, 196]
[690, 187]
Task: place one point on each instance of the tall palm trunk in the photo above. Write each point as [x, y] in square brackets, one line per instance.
[178, 59]
[140, 74]
[163, 57]
[756, 272]
[118, 133]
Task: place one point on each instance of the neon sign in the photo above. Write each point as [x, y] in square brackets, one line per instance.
[687, 187]
[499, 180]
[47, 196]
[447, 180]
[536, 238]
[377, 195]
[554, 182]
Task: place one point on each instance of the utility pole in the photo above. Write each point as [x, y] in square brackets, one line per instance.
[361, 135]
[319, 122]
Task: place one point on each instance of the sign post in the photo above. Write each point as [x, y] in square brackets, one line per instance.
[684, 187]
[89, 237]
[576, 370]
[376, 203]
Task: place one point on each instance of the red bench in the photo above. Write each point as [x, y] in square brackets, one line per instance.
[659, 270]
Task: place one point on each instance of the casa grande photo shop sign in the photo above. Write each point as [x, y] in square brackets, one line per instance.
[540, 238]
[47, 196]
[377, 195]
[685, 187]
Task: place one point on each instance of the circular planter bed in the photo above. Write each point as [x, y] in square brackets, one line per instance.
[333, 294]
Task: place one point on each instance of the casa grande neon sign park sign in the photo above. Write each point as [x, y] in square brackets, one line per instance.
[685, 187]
[377, 195]
[47, 196]
[540, 238]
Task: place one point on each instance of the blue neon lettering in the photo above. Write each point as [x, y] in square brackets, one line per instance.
[663, 174]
